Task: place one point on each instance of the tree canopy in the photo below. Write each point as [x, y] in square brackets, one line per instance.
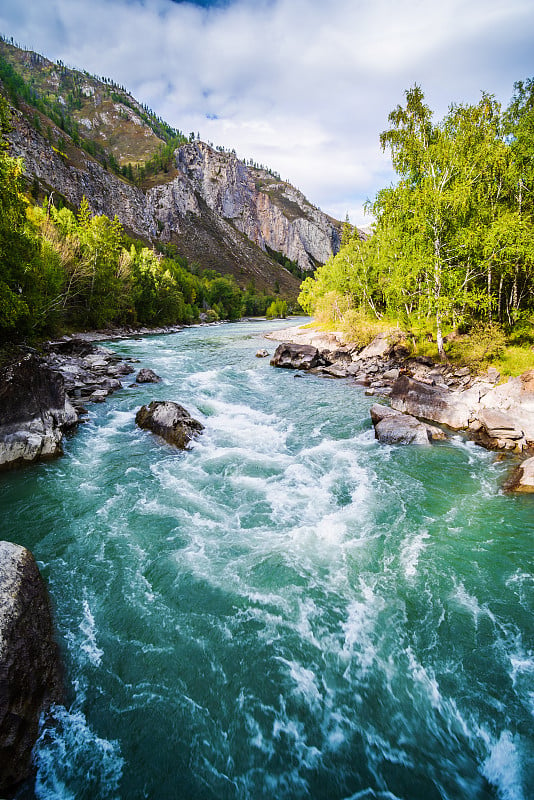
[453, 240]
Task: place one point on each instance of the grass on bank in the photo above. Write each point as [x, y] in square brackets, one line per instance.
[480, 347]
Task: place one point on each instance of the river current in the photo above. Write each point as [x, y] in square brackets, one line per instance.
[287, 610]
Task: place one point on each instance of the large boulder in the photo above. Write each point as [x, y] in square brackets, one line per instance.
[146, 375]
[34, 412]
[515, 399]
[30, 668]
[497, 431]
[435, 403]
[296, 356]
[392, 427]
[169, 420]
[381, 346]
[522, 478]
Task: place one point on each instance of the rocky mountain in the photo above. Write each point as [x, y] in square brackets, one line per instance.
[79, 135]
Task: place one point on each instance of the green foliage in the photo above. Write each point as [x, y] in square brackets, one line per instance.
[278, 308]
[453, 241]
[59, 269]
[484, 344]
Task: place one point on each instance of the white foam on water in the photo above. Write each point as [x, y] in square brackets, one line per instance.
[471, 604]
[243, 426]
[502, 767]
[425, 679]
[305, 683]
[69, 753]
[359, 628]
[411, 550]
[521, 665]
[88, 644]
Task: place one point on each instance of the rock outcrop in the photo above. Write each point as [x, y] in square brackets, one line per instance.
[392, 427]
[34, 412]
[296, 356]
[30, 669]
[271, 213]
[170, 421]
[43, 396]
[435, 403]
[522, 478]
[218, 211]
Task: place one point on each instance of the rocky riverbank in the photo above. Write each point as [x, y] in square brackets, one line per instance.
[44, 394]
[498, 416]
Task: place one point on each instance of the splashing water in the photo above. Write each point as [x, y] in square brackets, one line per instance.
[288, 610]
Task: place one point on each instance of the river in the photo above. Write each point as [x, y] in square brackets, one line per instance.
[287, 610]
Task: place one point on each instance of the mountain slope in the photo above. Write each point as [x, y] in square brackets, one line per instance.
[80, 136]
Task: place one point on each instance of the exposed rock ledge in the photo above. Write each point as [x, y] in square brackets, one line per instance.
[42, 396]
[498, 417]
[30, 670]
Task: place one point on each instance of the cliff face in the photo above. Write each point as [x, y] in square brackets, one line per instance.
[271, 213]
[218, 211]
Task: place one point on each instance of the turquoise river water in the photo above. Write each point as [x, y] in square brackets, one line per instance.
[289, 609]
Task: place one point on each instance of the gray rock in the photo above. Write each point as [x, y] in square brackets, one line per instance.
[379, 412]
[30, 668]
[147, 376]
[335, 371]
[296, 356]
[401, 429]
[170, 421]
[123, 369]
[499, 425]
[391, 374]
[34, 412]
[515, 398]
[434, 403]
[262, 353]
[381, 346]
[392, 427]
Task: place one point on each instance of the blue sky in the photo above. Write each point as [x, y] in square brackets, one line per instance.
[304, 86]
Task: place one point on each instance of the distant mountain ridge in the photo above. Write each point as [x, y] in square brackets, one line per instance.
[79, 135]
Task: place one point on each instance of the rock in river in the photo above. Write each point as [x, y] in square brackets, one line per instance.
[392, 427]
[436, 403]
[146, 375]
[30, 669]
[296, 356]
[169, 420]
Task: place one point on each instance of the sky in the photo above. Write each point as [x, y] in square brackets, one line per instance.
[302, 86]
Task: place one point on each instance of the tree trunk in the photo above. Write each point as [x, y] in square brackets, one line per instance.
[489, 293]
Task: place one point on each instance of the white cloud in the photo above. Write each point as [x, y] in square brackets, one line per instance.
[300, 85]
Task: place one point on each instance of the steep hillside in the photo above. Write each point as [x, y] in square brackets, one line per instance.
[80, 135]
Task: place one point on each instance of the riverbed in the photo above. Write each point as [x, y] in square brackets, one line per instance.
[286, 610]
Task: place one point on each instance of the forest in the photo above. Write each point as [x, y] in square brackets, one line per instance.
[452, 248]
[62, 270]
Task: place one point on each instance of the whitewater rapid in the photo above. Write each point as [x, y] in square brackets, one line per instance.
[287, 610]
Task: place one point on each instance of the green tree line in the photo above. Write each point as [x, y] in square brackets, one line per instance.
[453, 239]
[63, 270]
